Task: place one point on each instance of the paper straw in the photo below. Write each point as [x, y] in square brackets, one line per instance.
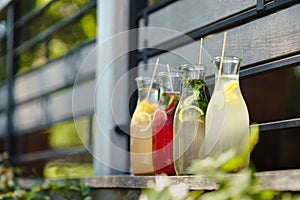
[223, 51]
[200, 52]
[152, 79]
[222, 57]
[200, 56]
[169, 72]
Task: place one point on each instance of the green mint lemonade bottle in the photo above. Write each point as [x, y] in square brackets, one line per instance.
[189, 120]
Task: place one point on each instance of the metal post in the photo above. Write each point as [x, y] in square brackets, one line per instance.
[10, 79]
[135, 8]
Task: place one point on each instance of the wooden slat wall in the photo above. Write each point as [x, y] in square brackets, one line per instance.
[35, 108]
[273, 36]
[187, 15]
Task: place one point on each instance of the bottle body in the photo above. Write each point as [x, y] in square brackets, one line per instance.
[227, 118]
[162, 128]
[189, 119]
[141, 128]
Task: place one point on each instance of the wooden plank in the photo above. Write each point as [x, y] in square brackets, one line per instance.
[53, 75]
[266, 38]
[71, 102]
[188, 15]
[41, 81]
[281, 180]
[56, 107]
[29, 115]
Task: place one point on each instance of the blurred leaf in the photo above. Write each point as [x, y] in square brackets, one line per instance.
[266, 195]
[254, 136]
[234, 163]
[88, 198]
[85, 190]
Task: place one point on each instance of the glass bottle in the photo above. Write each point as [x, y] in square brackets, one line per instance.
[141, 127]
[189, 120]
[162, 127]
[227, 119]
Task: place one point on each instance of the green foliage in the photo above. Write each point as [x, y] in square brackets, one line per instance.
[63, 169]
[198, 88]
[60, 42]
[231, 186]
[46, 190]
[66, 134]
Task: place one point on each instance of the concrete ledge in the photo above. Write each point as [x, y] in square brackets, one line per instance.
[283, 180]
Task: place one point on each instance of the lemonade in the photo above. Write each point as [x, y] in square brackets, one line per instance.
[162, 130]
[189, 120]
[227, 119]
[189, 137]
[141, 131]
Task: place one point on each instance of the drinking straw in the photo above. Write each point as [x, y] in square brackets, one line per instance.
[222, 57]
[223, 51]
[169, 72]
[200, 55]
[152, 79]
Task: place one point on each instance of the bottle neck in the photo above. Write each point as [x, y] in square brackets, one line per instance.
[227, 66]
[226, 70]
[152, 97]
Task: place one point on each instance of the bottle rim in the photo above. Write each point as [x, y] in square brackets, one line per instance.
[226, 58]
[145, 78]
[192, 67]
[171, 73]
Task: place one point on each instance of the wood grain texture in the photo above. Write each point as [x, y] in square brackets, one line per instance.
[260, 40]
[56, 107]
[263, 39]
[187, 15]
[53, 76]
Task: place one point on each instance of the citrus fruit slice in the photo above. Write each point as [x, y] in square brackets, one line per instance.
[230, 91]
[142, 120]
[171, 100]
[190, 113]
[231, 86]
[146, 106]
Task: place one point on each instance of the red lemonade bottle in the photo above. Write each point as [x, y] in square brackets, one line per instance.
[162, 126]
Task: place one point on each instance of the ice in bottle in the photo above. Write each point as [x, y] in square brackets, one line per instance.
[189, 120]
[141, 127]
[162, 127]
[227, 119]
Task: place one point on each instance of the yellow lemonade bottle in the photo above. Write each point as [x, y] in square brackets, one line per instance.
[141, 127]
[227, 118]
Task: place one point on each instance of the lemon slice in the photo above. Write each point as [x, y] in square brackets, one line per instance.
[171, 100]
[190, 113]
[231, 86]
[189, 100]
[142, 120]
[145, 106]
[230, 91]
